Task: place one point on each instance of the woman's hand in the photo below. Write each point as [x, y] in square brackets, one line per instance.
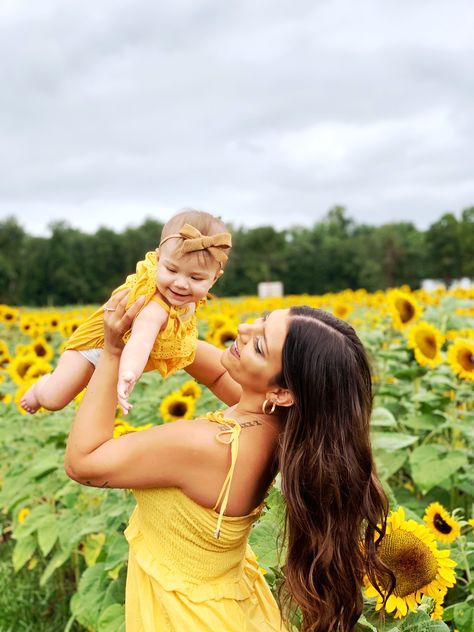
[118, 319]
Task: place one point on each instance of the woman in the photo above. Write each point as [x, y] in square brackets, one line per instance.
[304, 398]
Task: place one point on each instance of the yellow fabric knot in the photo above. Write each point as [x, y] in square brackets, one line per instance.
[194, 241]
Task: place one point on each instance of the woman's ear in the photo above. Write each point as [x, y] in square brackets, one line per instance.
[281, 397]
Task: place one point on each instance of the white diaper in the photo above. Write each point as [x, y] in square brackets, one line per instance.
[92, 355]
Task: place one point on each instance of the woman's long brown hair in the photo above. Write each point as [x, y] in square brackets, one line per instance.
[333, 498]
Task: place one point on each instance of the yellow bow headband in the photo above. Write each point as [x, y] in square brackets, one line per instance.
[194, 240]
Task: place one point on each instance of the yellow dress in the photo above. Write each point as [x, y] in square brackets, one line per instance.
[191, 569]
[175, 345]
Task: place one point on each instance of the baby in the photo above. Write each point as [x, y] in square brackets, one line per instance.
[173, 280]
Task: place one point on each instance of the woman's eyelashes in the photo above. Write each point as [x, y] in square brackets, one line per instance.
[257, 344]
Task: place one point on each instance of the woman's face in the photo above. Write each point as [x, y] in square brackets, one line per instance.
[254, 359]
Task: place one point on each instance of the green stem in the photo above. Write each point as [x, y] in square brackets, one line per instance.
[467, 568]
[75, 566]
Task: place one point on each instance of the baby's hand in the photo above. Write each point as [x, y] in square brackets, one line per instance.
[125, 385]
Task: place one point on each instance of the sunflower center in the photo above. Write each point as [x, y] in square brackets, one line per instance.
[341, 310]
[441, 525]
[23, 368]
[466, 359]
[178, 409]
[227, 337]
[427, 344]
[410, 560]
[40, 351]
[405, 309]
[8, 316]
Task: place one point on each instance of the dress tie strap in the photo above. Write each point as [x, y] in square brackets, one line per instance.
[230, 436]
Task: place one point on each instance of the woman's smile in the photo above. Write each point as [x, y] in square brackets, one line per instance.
[234, 349]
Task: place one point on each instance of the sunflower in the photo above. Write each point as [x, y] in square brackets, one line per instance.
[29, 326]
[341, 310]
[5, 360]
[426, 341]
[37, 370]
[41, 348]
[438, 520]
[467, 332]
[410, 551]
[225, 335]
[8, 315]
[3, 348]
[403, 308]
[19, 366]
[191, 389]
[461, 358]
[5, 398]
[52, 321]
[215, 321]
[68, 327]
[22, 349]
[471, 522]
[122, 427]
[177, 406]
[437, 614]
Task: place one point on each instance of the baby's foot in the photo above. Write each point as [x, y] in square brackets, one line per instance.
[29, 401]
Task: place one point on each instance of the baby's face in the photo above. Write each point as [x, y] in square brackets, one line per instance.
[186, 279]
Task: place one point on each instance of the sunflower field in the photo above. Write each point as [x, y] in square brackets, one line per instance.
[62, 550]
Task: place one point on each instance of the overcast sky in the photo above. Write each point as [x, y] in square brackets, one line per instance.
[261, 111]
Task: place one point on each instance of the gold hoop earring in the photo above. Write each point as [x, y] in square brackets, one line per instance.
[264, 406]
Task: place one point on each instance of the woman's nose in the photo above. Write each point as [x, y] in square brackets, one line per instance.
[247, 330]
[243, 330]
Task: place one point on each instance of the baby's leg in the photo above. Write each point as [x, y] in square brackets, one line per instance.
[56, 390]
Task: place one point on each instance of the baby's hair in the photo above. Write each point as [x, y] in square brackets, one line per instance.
[205, 223]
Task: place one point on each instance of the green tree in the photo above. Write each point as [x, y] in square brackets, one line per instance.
[443, 244]
[258, 254]
[12, 265]
[466, 242]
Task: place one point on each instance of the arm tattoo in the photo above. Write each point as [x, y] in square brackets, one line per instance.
[245, 424]
[249, 424]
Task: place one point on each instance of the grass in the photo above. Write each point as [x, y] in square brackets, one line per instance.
[24, 606]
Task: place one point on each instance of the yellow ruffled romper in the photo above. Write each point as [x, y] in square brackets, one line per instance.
[175, 345]
[181, 577]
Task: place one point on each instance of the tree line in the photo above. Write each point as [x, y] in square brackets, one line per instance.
[72, 267]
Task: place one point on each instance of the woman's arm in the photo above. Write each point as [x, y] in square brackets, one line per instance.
[145, 329]
[208, 370]
[162, 456]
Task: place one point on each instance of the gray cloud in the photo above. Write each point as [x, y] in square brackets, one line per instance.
[262, 112]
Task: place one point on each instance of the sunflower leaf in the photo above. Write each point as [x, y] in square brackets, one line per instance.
[464, 617]
[392, 440]
[363, 624]
[389, 462]
[112, 619]
[420, 622]
[429, 466]
[382, 417]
